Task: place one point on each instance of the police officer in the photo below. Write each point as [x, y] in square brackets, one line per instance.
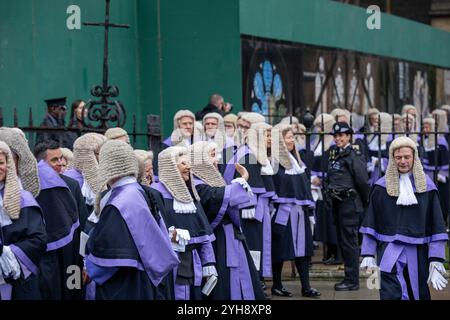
[348, 191]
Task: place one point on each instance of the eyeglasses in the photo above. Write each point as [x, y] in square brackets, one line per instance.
[243, 127]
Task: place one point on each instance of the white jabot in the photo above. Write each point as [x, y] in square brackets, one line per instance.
[296, 168]
[425, 144]
[88, 194]
[5, 220]
[187, 141]
[180, 207]
[20, 183]
[406, 196]
[318, 150]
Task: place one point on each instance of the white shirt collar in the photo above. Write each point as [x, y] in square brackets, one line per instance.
[296, 167]
[123, 181]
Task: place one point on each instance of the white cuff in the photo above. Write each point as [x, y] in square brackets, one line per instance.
[441, 178]
[436, 277]
[244, 185]
[9, 264]
[248, 213]
[209, 271]
[183, 237]
[368, 263]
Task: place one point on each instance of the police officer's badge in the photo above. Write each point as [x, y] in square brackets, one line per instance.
[336, 127]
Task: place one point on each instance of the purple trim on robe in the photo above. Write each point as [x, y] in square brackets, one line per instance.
[253, 200]
[431, 167]
[298, 231]
[436, 249]
[24, 261]
[182, 292]
[262, 214]
[294, 213]
[200, 240]
[65, 240]
[430, 184]
[402, 255]
[259, 191]
[76, 175]
[308, 203]
[229, 142]
[49, 178]
[168, 141]
[5, 291]
[241, 287]
[206, 253]
[319, 174]
[198, 181]
[145, 232]
[162, 189]
[99, 274]
[198, 270]
[230, 169]
[283, 214]
[369, 245]
[443, 142]
[223, 207]
[377, 172]
[102, 262]
[27, 200]
[90, 291]
[402, 238]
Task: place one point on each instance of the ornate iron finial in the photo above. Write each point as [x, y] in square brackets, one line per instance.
[308, 119]
[104, 111]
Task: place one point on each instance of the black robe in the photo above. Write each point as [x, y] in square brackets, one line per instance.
[26, 237]
[405, 239]
[438, 160]
[257, 231]
[238, 278]
[198, 253]
[325, 228]
[61, 216]
[155, 202]
[85, 210]
[291, 229]
[132, 265]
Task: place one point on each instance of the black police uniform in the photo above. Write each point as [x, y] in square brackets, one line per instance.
[347, 187]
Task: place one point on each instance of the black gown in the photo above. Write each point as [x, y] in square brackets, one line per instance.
[238, 278]
[129, 267]
[405, 239]
[26, 237]
[61, 216]
[199, 251]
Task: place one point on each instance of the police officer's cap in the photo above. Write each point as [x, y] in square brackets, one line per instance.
[341, 127]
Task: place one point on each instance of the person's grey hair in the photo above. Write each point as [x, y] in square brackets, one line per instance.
[215, 98]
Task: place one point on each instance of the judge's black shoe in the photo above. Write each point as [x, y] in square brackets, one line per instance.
[311, 293]
[281, 292]
[346, 286]
[333, 261]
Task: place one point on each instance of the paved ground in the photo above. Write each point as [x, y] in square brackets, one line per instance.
[323, 279]
[328, 293]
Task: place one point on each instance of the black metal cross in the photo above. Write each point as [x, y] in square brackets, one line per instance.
[104, 111]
